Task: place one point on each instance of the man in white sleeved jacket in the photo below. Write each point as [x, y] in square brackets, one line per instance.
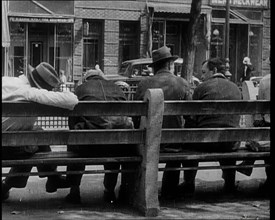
[35, 86]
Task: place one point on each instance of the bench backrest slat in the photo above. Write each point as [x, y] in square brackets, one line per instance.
[136, 108]
[207, 107]
[75, 137]
[84, 108]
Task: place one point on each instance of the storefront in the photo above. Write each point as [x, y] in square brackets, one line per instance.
[246, 37]
[110, 33]
[41, 32]
[169, 26]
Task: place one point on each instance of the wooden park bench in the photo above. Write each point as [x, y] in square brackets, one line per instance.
[145, 141]
[204, 135]
[147, 138]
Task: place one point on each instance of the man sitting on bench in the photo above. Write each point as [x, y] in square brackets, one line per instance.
[214, 87]
[94, 88]
[35, 86]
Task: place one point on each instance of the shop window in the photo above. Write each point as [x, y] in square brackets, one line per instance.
[173, 34]
[18, 60]
[64, 43]
[255, 45]
[17, 28]
[252, 14]
[158, 33]
[92, 44]
[128, 40]
[17, 55]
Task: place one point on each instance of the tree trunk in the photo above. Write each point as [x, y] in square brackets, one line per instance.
[189, 41]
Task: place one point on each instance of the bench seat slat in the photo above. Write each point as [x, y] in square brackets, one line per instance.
[212, 156]
[196, 135]
[66, 158]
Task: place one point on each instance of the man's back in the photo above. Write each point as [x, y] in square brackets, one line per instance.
[174, 88]
[217, 88]
[98, 89]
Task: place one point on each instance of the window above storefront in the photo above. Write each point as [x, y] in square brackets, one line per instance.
[42, 7]
[237, 16]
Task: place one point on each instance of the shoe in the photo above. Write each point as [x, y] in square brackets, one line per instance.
[5, 191]
[109, 197]
[73, 198]
[56, 182]
[186, 189]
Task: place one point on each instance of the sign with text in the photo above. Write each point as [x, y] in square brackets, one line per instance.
[242, 3]
[42, 20]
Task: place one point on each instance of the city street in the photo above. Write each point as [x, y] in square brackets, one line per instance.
[208, 202]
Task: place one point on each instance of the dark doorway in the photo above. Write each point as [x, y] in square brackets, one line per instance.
[36, 53]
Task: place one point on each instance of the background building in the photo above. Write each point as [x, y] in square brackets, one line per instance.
[74, 36]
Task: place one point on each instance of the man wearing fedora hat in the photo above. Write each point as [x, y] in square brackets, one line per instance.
[174, 88]
[96, 87]
[35, 86]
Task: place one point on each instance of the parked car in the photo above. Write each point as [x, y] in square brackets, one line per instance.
[139, 67]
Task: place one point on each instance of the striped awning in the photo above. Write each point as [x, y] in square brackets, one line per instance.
[176, 8]
[5, 25]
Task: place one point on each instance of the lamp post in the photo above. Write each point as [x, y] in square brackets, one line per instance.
[216, 33]
[227, 28]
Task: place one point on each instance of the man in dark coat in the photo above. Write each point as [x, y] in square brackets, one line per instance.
[174, 88]
[96, 88]
[215, 86]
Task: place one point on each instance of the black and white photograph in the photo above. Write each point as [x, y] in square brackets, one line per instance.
[137, 109]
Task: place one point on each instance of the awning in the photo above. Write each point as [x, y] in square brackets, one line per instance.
[5, 25]
[176, 8]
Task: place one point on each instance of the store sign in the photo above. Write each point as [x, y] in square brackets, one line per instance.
[242, 3]
[42, 20]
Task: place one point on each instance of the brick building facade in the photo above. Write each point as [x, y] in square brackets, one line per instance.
[85, 33]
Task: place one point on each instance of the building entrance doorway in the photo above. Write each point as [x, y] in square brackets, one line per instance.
[36, 53]
[41, 38]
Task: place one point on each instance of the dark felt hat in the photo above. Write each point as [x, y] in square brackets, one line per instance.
[90, 73]
[43, 76]
[162, 54]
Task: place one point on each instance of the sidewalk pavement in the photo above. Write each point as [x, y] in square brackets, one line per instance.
[209, 202]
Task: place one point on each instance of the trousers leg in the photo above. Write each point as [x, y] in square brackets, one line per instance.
[45, 168]
[228, 175]
[18, 181]
[190, 175]
[75, 179]
[110, 179]
[170, 179]
[268, 171]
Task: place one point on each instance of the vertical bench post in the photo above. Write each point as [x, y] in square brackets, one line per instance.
[146, 190]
